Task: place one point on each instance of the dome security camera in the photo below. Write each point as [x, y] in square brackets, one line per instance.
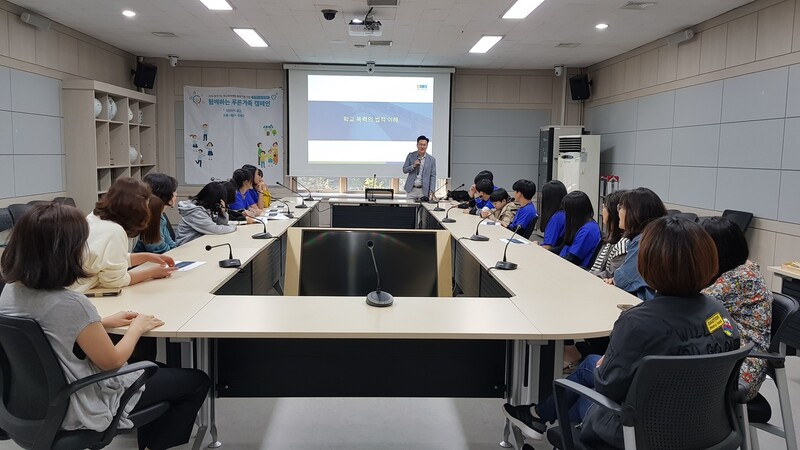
[329, 14]
[173, 60]
[370, 67]
[559, 70]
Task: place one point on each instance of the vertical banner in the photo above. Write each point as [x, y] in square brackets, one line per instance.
[225, 128]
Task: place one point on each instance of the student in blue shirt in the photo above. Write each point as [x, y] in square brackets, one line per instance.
[582, 234]
[524, 190]
[552, 222]
[637, 208]
[243, 180]
[483, 189]
[480, 200]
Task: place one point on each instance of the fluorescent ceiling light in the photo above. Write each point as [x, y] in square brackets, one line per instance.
[521, 9]
[485, 43]
[128, 13]
[356, 21]
[217, 5]
[601, 26]
[250, 36]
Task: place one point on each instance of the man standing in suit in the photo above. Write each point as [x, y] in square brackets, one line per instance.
[421, 170]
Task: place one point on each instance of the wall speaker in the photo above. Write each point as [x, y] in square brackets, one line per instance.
[145, 75]
[681, 36]
[579, 87]
[36, 21]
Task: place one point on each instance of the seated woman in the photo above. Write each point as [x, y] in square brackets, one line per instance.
[152, 237]
[743, 291]
[205, 213]
[244, 202]
[114, 225]
[581, 233]
[615, 245]
[165, 188]
[552, 221]
[679, 259]
[44, 256]
[504, 207]
[260, 191]
[637, 208]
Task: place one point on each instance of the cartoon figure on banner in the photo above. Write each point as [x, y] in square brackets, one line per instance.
[194, 140]
[205, 132]
[262, 156]
[210, 151]
[199, 158]
[272, 155]
[196, 98]
[269, 130]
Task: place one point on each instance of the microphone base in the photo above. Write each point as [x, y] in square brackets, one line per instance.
[230, 263]
[438, 208]
[379, 299]
[301, 206]
[478, 237]
[262, 236]
[448, 220]
[309, 199]
[289, 215]
[505, 265]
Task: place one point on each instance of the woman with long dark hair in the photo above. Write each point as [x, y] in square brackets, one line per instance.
[205, 213]
[581, 232]
[551, 221]
[615, 245]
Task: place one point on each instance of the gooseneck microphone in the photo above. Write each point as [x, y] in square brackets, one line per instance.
[505, 265]
[438, 208]
[377, 297]
[226, 263]
[302, 199]
[308, 197]
[447, 218]
[476, 236]
[450, 192]
[265, 234]
[288, 208]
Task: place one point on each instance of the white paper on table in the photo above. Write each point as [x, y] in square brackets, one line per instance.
[516, 240]
[275, 216]
[488, 222]
[183, 266]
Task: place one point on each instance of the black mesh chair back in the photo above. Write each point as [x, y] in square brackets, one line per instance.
[692, 217]
[740, 218]
[672, 212]
[785, 322]
[528, 231]
[6, 222]
[18, 210]
[35, 395]
[683, 402]
[65, 201]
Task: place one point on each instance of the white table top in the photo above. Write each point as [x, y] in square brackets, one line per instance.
[378, 201]
[778, 270]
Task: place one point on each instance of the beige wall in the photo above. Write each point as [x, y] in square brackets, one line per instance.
[759, 36]
[60, 53]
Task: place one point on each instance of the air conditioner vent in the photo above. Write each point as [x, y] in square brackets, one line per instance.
[569, 144]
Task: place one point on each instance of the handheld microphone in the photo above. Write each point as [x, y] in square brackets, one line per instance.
[377, 297]
[476, 236]
[265, 234]
[505, 265]
[309, 198]
[450, 192]
[447, 218]
[226, 263]
[438, 208]
[374, 179]
[302, 199]
[288, 208]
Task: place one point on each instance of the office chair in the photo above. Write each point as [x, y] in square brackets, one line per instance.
[740, 218]
[18, 210]
[757, 412]
[528, 231]
[673, 402]
[65, 201]
[35, 395]
[692, 217]
[672, 212]
[6, 221]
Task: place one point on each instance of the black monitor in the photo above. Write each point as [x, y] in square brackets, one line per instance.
[336, 262]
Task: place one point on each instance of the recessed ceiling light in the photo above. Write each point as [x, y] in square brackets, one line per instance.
[128, 13]
[164, 34]
[485, 43]
[601, 26]
[521, 9]
[217, 5]
[356, 21]
[250, 36]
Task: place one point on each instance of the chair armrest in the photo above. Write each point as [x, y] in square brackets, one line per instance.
[562, 409]
[776, 359]
[53, 422]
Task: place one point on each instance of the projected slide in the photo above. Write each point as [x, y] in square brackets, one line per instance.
[356, 119]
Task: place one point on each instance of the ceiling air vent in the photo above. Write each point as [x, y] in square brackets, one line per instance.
[166, 34]
[380, 43]
[372, 3]
[639, 6]
[567, 45]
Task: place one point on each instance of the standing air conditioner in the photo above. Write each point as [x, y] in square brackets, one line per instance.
[578, 165]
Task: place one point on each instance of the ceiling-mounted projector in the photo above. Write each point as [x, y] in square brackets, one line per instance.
[364, 28]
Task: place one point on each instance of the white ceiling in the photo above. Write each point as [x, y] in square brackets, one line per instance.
[429, 33]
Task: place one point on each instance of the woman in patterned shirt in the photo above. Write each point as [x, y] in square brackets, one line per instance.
[743, 291]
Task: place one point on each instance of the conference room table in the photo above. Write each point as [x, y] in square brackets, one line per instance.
[549, 301]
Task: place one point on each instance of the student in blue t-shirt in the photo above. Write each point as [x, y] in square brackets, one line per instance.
[524, 190]
[480, 200]
[483, 189]
[581, 234]
[243, 181]
[552, 222]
